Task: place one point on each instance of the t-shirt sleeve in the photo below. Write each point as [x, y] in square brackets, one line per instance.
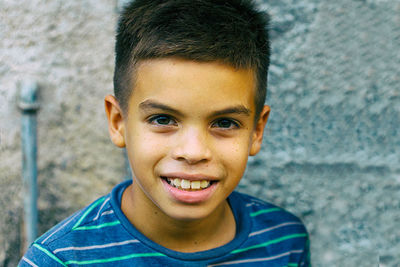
[38, 255]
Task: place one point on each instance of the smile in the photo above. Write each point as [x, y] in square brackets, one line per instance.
[188, 185]
[191, 191]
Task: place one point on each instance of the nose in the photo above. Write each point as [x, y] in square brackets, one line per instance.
[192, 147]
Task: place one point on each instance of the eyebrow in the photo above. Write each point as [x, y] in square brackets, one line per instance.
[151, 104]
[239, 109]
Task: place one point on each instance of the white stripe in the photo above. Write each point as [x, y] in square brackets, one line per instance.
[61, 227]
[259, 201]
[107, 212]
[97, 246]
[102, 205]
[28, 261]
[256, 202]
[258, 259]
[273, 227]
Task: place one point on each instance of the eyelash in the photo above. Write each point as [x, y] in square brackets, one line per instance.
[233, 123]
[152, 119]
[172, 122]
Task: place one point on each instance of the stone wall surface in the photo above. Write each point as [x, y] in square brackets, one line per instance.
[331, 152]
[67, 47]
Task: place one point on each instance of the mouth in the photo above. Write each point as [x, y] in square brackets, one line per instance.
[188, 185]
[193, 190]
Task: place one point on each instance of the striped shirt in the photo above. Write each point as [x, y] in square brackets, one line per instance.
[101, 235]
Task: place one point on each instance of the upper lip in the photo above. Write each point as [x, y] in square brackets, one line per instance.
[189, 176]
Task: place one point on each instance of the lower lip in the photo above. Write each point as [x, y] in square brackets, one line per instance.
[189, 196]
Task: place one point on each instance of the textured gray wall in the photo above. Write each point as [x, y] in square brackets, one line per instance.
[332, 148]
[67, 47]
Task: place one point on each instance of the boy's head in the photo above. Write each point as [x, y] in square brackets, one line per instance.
[192, 75]
[229, 32]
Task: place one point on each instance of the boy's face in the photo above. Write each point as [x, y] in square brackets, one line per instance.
[189, 124]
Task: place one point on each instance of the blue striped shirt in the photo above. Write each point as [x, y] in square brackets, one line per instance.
[101, 235]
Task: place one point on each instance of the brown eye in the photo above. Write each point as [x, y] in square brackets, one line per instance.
[162, 120]
[225, 124]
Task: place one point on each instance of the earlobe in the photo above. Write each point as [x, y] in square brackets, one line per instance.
[116, 126]
[259, 131]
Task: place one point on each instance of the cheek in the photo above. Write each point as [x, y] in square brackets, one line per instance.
[234, 154]
[148, 149]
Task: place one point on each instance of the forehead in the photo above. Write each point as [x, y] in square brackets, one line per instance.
[190, 84]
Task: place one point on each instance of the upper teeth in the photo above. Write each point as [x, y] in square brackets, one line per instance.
[186, 184]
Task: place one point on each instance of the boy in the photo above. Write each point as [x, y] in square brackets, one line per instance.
[189, 85]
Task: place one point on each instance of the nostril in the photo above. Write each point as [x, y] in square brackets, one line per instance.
[192, 147]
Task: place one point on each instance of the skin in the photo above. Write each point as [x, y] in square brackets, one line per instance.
[186, 118]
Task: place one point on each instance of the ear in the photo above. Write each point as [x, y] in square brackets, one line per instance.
[116, 127]
[258, 132]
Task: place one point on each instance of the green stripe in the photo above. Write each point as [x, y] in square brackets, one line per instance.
[95, 204]
[49, 254]
[137, 255]
[283, 238]
[293, 265]
[264, 211]
[90, 227]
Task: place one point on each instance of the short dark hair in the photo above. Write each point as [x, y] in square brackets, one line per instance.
[231, 32]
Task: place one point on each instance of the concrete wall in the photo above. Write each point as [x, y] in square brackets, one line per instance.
[332, 148]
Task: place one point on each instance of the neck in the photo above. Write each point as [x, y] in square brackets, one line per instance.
[213, 231]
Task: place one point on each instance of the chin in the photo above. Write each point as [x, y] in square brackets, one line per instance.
[188, 214]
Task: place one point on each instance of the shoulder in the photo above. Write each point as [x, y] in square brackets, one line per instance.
[266, 212]
[92, 216]
[84, 229]
[274, 232]
[272, 222]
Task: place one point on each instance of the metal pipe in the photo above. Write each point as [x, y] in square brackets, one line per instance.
[29, 106]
